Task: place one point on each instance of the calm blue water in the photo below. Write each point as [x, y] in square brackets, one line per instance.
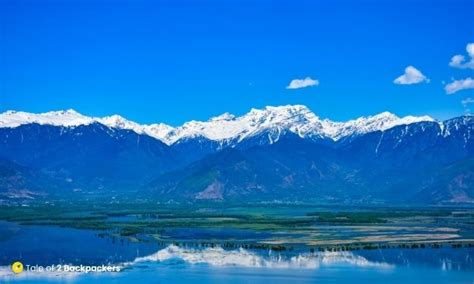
[45, 245]
[275, 276]
[201, 274]
[150, 263]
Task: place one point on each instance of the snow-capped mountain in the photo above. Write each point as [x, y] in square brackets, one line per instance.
[376, 158]
[379, 122]
[156, 130]
[67, 118]
[71, 118]
[297, 119]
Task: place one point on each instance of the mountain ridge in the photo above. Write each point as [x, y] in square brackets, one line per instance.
[283, 157]
[226, 128]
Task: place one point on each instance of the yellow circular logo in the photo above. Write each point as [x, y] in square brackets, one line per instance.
[17, 267]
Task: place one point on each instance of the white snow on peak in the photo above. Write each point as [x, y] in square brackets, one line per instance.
[70, 118]
[225, 116]
[379, 122]
[297, 119]
[58, 118]
[229, 127]
[157, 130]
[293, 118]
[117, 121]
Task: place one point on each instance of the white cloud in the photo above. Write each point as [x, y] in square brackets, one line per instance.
[467, 101]
[411, 76]
[302, 83]
[459, 85]
[459, 61]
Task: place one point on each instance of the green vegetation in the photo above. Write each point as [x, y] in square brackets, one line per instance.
[371, 217]
[277, 227]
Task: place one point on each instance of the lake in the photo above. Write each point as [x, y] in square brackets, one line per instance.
[151, 263]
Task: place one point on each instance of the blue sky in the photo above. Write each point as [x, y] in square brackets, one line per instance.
[172, 61]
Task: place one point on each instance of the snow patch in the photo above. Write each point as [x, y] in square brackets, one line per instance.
[227, 128]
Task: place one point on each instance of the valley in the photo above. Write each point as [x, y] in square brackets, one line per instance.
[257, 226]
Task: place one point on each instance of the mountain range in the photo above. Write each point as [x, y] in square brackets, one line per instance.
[284, 153]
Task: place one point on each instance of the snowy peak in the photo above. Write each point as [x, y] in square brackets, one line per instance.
[231, 128]
[225, 116]
[297, 119]
[227, 127]
[117, 121]
[157, 131]
[379, 122]
[66, 118]
[71, 118]
[282, 114]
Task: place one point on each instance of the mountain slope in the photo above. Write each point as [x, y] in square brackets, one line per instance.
[91, 156]
[419, 163]
[278, 153]
[17, 182]
[264, 172]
